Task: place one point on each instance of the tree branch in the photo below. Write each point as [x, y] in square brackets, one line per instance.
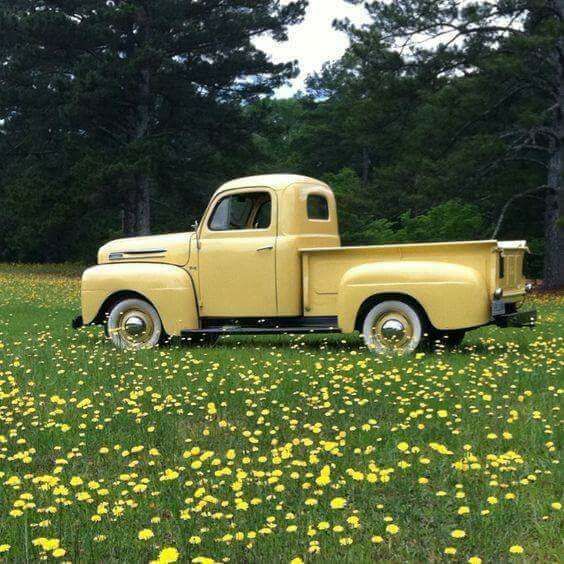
[508, 204]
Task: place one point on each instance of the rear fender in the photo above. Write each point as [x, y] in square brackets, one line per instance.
[168, 288]
[453, 296]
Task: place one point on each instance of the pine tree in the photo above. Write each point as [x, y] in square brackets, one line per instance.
[518, 43]
[130, 90]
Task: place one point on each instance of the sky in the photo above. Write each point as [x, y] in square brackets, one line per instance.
[314, 41]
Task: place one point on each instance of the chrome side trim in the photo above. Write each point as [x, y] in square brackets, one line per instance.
[145, 252]
[123, 255]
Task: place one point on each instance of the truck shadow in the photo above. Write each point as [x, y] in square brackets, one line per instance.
[336, 344]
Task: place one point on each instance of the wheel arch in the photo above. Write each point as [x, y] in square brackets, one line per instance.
[114, 299]
[376, 299]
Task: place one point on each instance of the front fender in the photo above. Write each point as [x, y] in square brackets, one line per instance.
[453, 296]
[169, 288]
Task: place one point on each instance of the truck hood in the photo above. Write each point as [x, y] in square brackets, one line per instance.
[168, 249]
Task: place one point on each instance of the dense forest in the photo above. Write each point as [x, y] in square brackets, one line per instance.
[442, 121]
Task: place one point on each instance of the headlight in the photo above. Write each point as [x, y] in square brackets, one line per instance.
[528, 287]
[498, 294]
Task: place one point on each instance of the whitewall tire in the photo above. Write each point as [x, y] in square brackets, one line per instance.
[392, 327]
[134, 324]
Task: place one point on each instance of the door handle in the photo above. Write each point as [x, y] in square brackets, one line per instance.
[267, 248]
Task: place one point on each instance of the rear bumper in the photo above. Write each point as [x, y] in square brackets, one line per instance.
[517, 319]
[77, 322]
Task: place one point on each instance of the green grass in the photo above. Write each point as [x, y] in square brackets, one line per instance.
[283, 410]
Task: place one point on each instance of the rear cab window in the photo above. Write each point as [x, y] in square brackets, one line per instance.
[317, 207]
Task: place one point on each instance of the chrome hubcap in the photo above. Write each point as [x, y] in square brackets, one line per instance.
[393, 330]
[135, 326]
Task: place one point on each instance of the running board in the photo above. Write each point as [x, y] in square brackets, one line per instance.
[260, 331]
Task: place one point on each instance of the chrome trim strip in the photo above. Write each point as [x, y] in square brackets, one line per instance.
[152, 253]
[146, 252]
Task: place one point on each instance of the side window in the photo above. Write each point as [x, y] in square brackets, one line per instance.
[317, 207]
[250, 210]
[264, 213]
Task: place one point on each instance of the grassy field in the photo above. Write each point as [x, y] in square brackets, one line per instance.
[272, 449]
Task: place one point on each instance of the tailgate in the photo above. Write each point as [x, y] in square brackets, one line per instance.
[510, 275]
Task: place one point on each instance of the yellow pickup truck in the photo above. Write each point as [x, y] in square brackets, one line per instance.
[267, 258]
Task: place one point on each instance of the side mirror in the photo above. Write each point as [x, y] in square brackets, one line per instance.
[195, 225]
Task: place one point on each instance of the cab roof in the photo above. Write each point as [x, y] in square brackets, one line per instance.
[274, 181]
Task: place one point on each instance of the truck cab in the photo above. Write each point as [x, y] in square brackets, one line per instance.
[267, 258]
[249, 245]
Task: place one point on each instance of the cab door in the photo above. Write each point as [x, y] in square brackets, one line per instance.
[237, 255]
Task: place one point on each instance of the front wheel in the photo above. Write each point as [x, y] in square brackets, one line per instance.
[392, 327]
[134, 324]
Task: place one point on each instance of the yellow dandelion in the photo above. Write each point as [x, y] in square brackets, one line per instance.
[145, 534]
[338, 503]
[167, 555]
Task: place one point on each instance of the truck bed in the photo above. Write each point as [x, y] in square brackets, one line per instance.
[323, 268]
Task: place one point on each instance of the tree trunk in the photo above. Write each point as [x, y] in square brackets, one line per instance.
[143, 205]
[553, 228]
[129, 216]
[553, 235]
[365, 167]
[137, 205]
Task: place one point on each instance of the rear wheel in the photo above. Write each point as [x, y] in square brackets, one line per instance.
[134, 324]
[392, 327]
